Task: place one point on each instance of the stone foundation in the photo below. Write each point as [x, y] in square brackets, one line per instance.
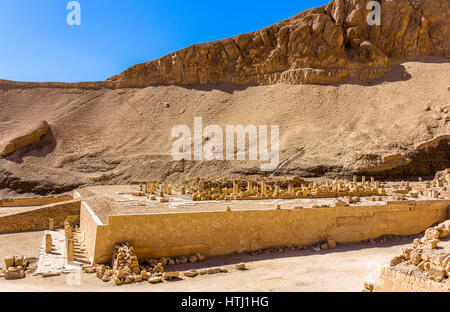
[397, 281]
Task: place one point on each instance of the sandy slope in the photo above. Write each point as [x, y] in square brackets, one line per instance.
[124, 135]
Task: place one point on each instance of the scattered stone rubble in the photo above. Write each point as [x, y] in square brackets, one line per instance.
[278, 188]
[425, 255]
[328, 244]
[15, 267]
[126, 269]
[346, 192]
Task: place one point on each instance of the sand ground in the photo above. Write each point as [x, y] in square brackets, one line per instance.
[344, 269]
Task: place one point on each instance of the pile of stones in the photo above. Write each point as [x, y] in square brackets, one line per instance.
[329, 244]
[276, 249]
[424, 255]
[176, 260]
[15, 267]
[125, 267]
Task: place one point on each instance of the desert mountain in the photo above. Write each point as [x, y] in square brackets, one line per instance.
[323, 45]
[349, 98]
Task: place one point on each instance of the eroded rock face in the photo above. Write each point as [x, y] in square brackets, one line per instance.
[322, 45]
[31, 137]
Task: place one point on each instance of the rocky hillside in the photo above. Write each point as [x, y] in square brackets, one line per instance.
[323, 45]
[348, 97]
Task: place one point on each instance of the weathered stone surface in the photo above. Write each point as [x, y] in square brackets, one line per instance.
[33, 135]
[331, 243]
[190, 274]
[14, 273]
[431, 265]
[396, 260]
[9, 261]
[19, 261]
[319, 46]
[240, 266]
[171, 275]
[155, 280]
[213, 270]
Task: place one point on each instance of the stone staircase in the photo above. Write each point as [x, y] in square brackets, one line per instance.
[79, 249]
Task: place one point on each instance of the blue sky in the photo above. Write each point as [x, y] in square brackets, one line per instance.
[36, 44]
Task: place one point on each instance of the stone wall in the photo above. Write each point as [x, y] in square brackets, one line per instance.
[89, 223]
[397, 281]
[38, 219]
[218, 233]
[33, 201]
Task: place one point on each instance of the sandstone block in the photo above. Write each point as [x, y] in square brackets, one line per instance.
[163, 261]
[171, 275]
[14, 273]
[432, 233]
[193, 259]
[200, 257]
[396, 260]
[213, 270]
[155, 280]
[432, 244]
[190, 274]
[20, 261]
[436, 272]
[331, 243]
[9, 261]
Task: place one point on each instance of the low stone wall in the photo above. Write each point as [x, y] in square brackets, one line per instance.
[219, 233]
[33, 201]
[396, 281]
[38, 219]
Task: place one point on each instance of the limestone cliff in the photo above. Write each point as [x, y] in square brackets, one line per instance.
[322, 45]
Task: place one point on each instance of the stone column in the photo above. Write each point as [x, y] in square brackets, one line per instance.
[48, 243]
[263, 188]
[69, 232]
[235, 187]
[50, 224]
[70, 250]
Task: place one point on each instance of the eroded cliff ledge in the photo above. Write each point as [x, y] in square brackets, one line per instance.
[322, 45]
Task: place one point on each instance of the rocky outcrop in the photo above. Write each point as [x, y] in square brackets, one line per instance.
[322, 45]
[32, 136]
[426, 159]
